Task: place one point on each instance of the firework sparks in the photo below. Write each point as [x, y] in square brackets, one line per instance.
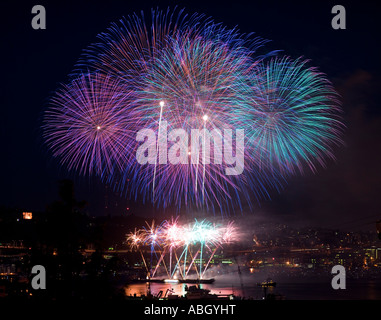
[191, 240]
[180, 73]
[297, 121]
[88, 125]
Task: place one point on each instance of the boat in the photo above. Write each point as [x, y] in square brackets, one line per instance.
[195, 281]
[195, 292]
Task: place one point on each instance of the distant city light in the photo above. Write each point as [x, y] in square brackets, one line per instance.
[27, 215]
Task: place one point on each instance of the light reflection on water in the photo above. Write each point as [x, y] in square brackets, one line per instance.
[356, 290]
[179, 289]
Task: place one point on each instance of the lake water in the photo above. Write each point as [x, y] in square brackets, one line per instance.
[291, 290]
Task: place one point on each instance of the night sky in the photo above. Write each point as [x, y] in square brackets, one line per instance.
[347, 193]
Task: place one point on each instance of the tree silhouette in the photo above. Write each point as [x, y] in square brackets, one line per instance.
[65, 232]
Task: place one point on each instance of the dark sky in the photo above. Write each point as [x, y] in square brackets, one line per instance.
[34, 62]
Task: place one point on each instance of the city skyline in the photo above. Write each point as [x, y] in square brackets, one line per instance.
[282, 253]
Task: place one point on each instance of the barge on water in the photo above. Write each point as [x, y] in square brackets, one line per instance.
[190, 281]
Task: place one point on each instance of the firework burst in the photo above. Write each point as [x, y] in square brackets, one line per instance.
[193, 84]
[295, 120]
[178, 73]
[88, 125]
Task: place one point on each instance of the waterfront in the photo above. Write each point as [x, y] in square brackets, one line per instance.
[302, 289]
[299, 260]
